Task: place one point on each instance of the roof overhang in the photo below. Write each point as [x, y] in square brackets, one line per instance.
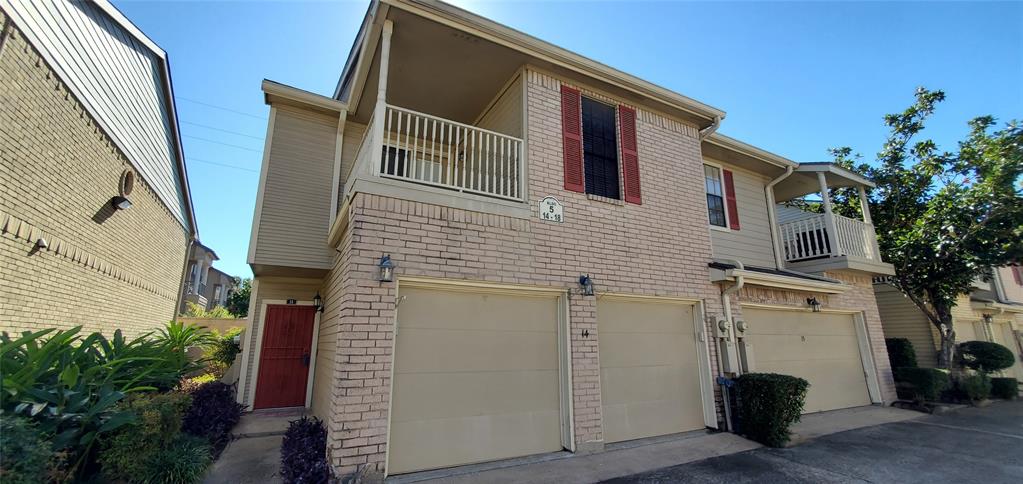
[277, 93]
[804, 180]
[996, 307]
[543, 54]
[730, 150]
[777, 281]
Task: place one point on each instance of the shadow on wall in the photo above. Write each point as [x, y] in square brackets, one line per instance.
[104, 212]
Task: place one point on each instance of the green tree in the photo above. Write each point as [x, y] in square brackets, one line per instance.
[944, 218]
[238, 300]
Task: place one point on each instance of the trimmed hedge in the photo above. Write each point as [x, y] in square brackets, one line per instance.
[901, 353]
[985, 356]
[768, 404]
[1005, 388]
[304, 452]
[971, 388]
[920, 384]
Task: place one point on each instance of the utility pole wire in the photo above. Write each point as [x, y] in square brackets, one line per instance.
[222, 130]
[221, 143]
[215, 106]
[225, 165]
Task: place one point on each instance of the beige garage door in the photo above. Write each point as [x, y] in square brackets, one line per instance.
[821, 348]
[1002, 333]
[969, 331]
[475, 379]
[649, 369]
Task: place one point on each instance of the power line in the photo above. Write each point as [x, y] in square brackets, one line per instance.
[225, 165]
[221, 143]
[215, 106]
[222, 130]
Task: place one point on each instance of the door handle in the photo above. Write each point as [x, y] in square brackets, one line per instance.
[305, 359]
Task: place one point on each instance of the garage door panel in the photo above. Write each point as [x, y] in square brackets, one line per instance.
[456, 441]
[476, 378]
[649, 372]
[426, 349]
[822, 348]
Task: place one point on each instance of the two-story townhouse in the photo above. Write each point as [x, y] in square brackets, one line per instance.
[96, 217]
[992, 311]
[205, 285]
[484, 246]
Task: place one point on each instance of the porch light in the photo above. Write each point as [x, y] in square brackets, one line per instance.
[815, 305]
[318, 303]
[386, 269]
[988, 318]
[585, 285]
[120, 203]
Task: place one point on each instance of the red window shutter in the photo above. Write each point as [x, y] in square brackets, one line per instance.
[1017, 274]
[572, 139]
[733, 209]
[630, 155]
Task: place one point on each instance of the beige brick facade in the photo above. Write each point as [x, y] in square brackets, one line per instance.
[104, 270]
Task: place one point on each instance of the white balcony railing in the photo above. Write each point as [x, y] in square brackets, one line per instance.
[425, 149]
[809, 238]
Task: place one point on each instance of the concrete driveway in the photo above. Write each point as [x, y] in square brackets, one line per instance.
[969, 445]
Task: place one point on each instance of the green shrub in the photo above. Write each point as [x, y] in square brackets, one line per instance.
[768, 404]
[920, 384]
[971, 387]
[901, 353]
[26, 456]
[221, 350]
[190, 385]
[985, 356]
[128, 451]
[184, 461]
[1005, 388]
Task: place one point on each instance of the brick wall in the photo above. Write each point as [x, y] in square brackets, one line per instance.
[103, 269]
[658, 248]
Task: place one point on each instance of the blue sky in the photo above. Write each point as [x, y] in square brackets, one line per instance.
[794, 78]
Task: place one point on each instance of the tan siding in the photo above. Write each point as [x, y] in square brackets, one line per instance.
[505, 115]
[1013, 289]
[902, 319]
[752, 243]
[294, 218]
[791, 214]
[350, 149]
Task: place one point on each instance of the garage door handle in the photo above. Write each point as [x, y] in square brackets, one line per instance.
[305, 359]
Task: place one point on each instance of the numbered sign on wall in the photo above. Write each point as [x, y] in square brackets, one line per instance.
[551, 210]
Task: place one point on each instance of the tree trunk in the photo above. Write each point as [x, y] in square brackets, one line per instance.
[946, 354]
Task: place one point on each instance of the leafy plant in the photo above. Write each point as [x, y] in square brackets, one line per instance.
[304, 452]
[238, 300]
[184, 461]
[213, 414]
[970, 387]
[945, 218]
[920, 384]
[1005, 388]
[196, 311]
[985, 356]
[769, 404]
[221, 350]
[901, 353]
[26, 457]
[190, 385]
[127, 451]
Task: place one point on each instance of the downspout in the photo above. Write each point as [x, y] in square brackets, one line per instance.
[999, 286]
[772, 217]
[709, 130]
[184, 274]
[726, 305]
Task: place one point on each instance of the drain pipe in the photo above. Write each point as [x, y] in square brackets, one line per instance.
[723, 353]
[773, 217]
[709, 130]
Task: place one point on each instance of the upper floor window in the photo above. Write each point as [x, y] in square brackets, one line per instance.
[600, 149]
[715, 195]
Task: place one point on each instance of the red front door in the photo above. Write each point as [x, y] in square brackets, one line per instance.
[284, 358]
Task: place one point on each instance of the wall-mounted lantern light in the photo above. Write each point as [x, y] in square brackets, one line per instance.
[585, 285]
[386, 269]
[815, 305]
[988, 318]
[318, 303]
[120, 203]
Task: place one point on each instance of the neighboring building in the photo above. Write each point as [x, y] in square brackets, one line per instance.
[498, 174]
[95, 212]
[204, 284]
[993, 312]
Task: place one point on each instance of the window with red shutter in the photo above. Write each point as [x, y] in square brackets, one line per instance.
[571, 136]
[1017, 274]
[630, 156]
[733, 208]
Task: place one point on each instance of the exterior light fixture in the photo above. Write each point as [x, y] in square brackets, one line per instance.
[318, 303]
[386, 269]
[585, 285]
[120, 203]
[988, 318]
[815, 305]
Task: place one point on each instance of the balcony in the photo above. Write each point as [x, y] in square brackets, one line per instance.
[808, 239]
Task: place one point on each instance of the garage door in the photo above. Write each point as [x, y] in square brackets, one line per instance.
[969, 331]
[475, 378]
[649, 369]
[821, 348]
[1002, 333]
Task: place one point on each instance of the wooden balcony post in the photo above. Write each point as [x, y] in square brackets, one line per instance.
[865, 211]
[380, 110]
[829, 216]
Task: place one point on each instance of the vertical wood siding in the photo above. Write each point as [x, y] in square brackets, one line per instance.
[117, 78]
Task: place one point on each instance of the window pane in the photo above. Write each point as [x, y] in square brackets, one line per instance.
[600, 149]
[716, 210]
[713, 177]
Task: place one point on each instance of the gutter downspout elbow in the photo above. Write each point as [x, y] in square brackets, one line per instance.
[709, 130]
[773, 217]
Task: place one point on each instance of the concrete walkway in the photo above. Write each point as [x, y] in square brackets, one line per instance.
[254, 456]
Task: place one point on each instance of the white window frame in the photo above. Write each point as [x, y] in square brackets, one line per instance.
[724, 196]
